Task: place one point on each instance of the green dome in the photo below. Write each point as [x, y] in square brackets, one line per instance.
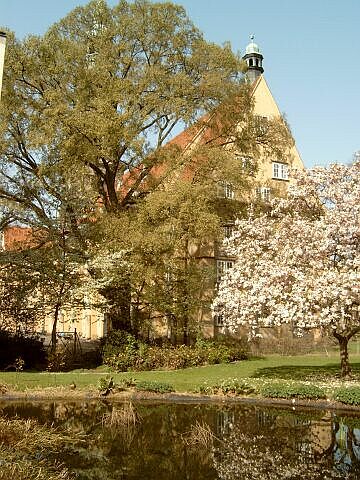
[252, 47]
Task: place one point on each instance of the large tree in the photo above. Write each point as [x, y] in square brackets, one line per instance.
[85, 113]
[299, 263]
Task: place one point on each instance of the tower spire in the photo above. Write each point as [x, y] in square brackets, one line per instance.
[254, 59]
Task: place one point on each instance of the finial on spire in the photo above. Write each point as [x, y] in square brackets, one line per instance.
[253, 59]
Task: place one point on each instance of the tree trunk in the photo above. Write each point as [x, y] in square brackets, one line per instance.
[344, 358]
[344, 354]
[53, 331]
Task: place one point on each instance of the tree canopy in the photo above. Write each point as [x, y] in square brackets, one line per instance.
[298, 264]
[87, 113]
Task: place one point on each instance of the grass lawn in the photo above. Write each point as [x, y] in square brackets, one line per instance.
[316, 367]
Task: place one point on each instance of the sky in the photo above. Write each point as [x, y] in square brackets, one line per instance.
[311, 52]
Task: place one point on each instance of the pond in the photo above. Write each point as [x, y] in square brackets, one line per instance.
[164, 441]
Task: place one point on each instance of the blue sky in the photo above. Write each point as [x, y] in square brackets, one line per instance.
[311, 54]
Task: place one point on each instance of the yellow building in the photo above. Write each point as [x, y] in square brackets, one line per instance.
[271, 179]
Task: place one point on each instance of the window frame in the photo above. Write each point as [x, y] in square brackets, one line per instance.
[219, 320]
[226, 190]
[228, 230]
[222, 266]
[280, 171]
[263, 193]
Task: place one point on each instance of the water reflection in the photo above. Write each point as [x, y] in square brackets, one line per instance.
[182, 441]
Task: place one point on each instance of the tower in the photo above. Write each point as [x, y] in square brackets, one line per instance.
[254, 59]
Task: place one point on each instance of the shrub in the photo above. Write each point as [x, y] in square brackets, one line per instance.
[62, 360]
[3, 388]
[29, 350]
[106, 384]
[157, 387]
[120, 350]
[290, 390]
[123, 352]
[348, 395]
[126, 383]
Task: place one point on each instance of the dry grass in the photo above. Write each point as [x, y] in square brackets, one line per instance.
[200, 435]
[26, 449]
[124, 417]
[26, 470]
[122, 422]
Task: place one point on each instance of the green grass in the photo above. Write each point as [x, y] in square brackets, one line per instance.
[315, 367]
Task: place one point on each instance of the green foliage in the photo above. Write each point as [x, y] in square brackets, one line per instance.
[157, 387]
[120, 349]
[125, 383]
[228, 386]
[348, 395]
[123, 352]
[105, 383]
[61, 360]
[292, 390]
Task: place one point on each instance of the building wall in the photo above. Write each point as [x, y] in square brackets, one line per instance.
[265, 106]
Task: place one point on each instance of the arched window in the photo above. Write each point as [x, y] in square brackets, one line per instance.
[257, 62]
[250, 62]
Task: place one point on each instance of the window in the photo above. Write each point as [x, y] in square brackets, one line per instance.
[222, 266]
[262, 124]
[169, 276]
[246, 162]
[280, 171]
[219, 320]
[226, 190]
[228, 230]
[263, 193]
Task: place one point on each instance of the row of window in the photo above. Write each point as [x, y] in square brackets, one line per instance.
[280, 171]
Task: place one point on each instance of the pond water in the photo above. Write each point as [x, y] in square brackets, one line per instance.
[179, 441]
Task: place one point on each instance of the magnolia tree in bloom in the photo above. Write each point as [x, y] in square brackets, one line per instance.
[298, 264]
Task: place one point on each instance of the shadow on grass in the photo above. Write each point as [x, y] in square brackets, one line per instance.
[301, 372]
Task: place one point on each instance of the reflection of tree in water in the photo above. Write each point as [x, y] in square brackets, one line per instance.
[344, 448]
[152, 447]
[277, 447]
[161, 441]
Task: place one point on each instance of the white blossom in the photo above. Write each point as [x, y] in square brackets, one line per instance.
[298, 264]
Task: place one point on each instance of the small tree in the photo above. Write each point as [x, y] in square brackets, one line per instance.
[299, 263]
